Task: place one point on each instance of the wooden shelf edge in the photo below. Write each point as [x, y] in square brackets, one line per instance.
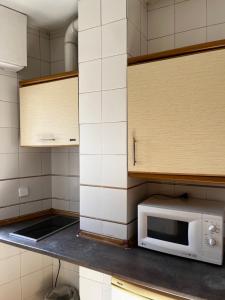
[44, 79]
[177, 52]
[204, 179]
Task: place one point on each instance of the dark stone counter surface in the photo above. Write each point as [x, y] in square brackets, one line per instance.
[178, 276]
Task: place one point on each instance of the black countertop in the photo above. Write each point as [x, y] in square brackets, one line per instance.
[179, 276]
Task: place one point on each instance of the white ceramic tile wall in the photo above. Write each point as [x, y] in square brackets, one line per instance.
[65, 178]
[103, 111]
[57, 64]
[38, 54]
[24, 275]
[137, 24]
[21, 167]
[174, 24]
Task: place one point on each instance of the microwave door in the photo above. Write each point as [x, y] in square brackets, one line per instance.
[170, 231]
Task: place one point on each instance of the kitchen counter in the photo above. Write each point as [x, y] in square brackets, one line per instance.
[178, 276]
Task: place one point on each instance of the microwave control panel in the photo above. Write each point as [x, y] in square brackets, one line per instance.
[212, 236]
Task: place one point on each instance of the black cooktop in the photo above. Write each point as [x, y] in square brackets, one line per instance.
[45, 228]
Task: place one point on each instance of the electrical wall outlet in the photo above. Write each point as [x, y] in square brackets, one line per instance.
[23, 191]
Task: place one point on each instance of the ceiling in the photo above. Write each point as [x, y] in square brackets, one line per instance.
[48, 14]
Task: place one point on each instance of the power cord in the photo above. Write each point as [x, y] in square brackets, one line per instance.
[181, 196]
[57, 276]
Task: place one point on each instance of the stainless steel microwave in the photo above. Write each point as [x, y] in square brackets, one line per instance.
[191, 228]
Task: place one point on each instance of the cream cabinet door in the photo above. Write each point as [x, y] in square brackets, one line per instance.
[176, 114]
[49, 113]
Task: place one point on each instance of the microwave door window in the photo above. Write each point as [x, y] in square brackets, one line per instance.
[168, 230]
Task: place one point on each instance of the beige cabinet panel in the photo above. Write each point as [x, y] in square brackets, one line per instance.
[176, 114]
[49, 113]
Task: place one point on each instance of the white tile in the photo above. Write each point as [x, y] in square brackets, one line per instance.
[32, 70]
[134, 40]
[60, 204]
[144, 20]
[9, 166]
[114, 38]
[114, 105]
[89, 44]
[192, 37]
[90, 108]
[161, 44]
[91, 225]
[91, 139]
[114, 170]
[193, 191]
[8, 114]
[90, 76]
[30, 262]
[114, 71]
[31, 284]
[60, 187]
[134, 12]
[57, 67]
[89, 14]
[7, 251]
[9, 212]
[216, 32]
[144, 46]
[113, 10]
[46, 204]
[135, 196]
[66, 277]
[74, 206]
[74, 164]
[10, 269]
[60, 163]
[215, 11]
[11, 291]
[132, 230]
[30, 207]
[159, 4]
[114, 138]
[213, 193]
[33, 45]
[161, 188]
[115, 230]
[74, 189]
[9, 192]
[8, 88]
[35, 188]
[161, 22]
[91, 169]
[9, 140]
[46, 163]
[45, 68]
[57, 49]
[90, 201]
[29, 164]
[114, 205]
[45, 49]
[190, 15]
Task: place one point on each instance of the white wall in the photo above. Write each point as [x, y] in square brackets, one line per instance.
[24, 275]
[174, 24]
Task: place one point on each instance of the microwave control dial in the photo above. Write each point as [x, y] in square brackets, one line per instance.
[212, 228]
[212, 242]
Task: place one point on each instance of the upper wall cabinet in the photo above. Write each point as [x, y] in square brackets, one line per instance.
[177, 115]
[13, 36]
[49, 111]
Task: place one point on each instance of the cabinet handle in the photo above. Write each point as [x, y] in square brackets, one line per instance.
[48, 139]
[134, 151]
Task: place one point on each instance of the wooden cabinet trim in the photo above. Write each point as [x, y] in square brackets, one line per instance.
[205, 179]
[215, 45]
[48, 78]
